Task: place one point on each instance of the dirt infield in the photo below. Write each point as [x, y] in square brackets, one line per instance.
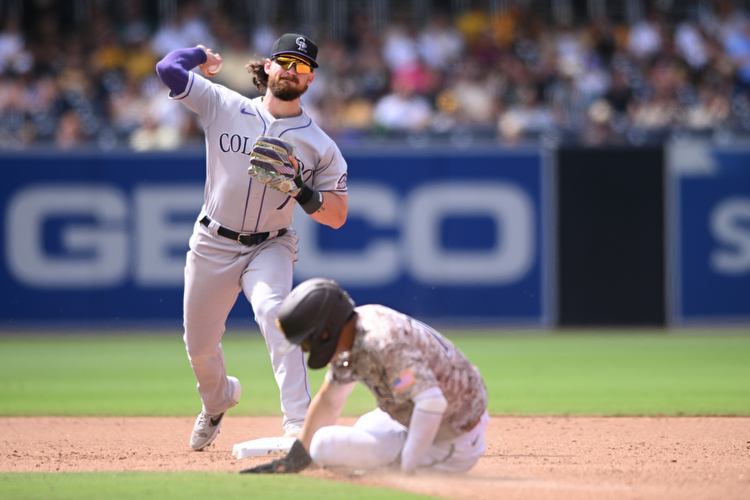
[530, 458]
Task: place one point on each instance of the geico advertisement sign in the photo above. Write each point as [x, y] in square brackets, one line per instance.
[103, 238]
[418, 250]
[729, 223]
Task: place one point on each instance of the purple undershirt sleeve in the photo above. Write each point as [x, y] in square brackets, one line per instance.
[174, 68]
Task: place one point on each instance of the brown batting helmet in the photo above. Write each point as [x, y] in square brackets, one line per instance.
[313, 315]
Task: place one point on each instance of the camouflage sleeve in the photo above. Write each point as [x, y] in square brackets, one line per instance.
[407, 371]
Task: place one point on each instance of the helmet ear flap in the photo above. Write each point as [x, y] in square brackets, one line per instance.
[306, 344]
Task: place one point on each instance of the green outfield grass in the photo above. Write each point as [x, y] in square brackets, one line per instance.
[602, 373]
[147, 373]
[183, 486]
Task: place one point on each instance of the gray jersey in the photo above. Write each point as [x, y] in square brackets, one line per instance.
[397, 357]
[232, 123]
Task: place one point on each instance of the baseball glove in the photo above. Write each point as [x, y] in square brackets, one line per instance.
[295, 461]
[270, 164]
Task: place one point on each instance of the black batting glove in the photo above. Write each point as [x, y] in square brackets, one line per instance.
[295, 461]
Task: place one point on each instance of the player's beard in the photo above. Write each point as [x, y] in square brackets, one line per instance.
[286, 91]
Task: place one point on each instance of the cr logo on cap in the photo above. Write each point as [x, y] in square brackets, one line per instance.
[301, 44]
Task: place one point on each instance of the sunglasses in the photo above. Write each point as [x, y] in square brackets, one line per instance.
[288, 62]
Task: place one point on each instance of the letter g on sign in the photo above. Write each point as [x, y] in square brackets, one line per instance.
[96, 254]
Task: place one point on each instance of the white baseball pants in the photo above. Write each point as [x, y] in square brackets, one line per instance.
[217, 269]
[376, 441]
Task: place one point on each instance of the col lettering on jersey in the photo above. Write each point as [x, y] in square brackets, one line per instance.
[397, 357]
[232, 123]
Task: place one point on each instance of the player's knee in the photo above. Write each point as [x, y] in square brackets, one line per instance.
[266, 309]
[338, 446]
[322, 447]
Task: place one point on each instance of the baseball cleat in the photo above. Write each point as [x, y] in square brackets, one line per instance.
[205, 430]
[207, 426]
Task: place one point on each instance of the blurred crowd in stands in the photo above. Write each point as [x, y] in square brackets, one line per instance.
[508, 78]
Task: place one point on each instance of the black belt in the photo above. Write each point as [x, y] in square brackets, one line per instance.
[248, 239]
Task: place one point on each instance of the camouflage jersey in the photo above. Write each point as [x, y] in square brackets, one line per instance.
[397, 357]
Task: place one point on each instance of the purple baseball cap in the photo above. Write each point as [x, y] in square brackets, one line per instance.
[298, 45]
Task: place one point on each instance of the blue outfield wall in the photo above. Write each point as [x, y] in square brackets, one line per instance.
[100, 239]
[709, 234]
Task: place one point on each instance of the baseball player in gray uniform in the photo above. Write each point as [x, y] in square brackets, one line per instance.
[432, 402]
[243, 240]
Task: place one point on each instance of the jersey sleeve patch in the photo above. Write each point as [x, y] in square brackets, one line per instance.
[341, 183]
[403, 380]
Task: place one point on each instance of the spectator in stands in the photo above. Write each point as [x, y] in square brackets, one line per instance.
[710, 111]
[659, 109]
[236, 53]
[474, 97]
[151, 135]
[14, 58]
[139, 60]
[691, 45]
[69, 133]
[439, 44]
[599, 130]
[737, 44]
[528, 119]
[187, 30]
[399, 47]
[403, 109]
[127, 107]
[646, 36]
[12, 113]
[565, 100]
[75, 83]
[619, 95]
[133, 26]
